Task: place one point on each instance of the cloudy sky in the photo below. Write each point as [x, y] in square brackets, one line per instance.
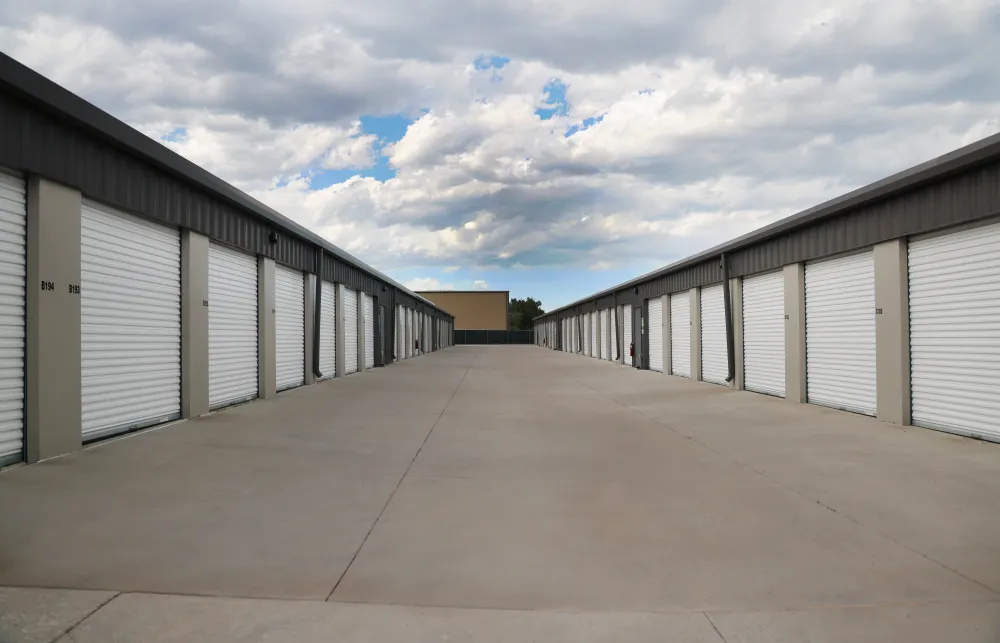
[547, 148]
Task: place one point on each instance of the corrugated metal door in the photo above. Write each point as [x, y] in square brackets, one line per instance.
[593, 334]
[289, 328]
[615, 350]
[369, 330]
[764, 334]
[12, 283]
[409, 333]
[130, 308]
[328, 330]
[627, 330]
[605, 335]
[350, 330]
[955, 332]
[656, 334]
[680, 334]
[840, 333]
[232, 326]
[714, 358]
[397, 337]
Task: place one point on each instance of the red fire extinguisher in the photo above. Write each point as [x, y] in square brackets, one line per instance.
[631, 349]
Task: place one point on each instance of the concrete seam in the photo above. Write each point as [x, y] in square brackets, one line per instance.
[714, 626]
[795, 491]
[72, 627]
[402, 477]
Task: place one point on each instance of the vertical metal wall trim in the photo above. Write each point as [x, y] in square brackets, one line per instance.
[728, 307]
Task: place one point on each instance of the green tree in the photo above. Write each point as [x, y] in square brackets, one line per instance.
[522, 311]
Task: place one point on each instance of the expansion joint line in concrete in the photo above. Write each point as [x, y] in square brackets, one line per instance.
[86, 616]
[714, 627]
[788, 488]
[402, 477]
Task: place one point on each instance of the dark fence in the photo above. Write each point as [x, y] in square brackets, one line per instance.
[494, 337]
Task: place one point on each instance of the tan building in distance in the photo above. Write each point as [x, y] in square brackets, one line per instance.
[474, 309]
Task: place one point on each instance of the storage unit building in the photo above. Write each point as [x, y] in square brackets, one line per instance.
[232, 326]
[162, 291]
[885, 301]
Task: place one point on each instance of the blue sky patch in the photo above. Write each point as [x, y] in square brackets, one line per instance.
[555, 100]
[388, 129]
[484, 62]
[175, 135]
[587, 123]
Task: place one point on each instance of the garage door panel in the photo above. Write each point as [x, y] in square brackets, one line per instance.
[369, 303]
[714, 351]
[232, 326]
[764, 334]
[289, 328]
[840, 333]
[350, 330]
[13, 227]
[656, 334]
[680, 334]
[955, 331]
[130, 322]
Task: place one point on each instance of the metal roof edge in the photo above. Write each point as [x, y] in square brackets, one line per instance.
[965, 157]
[57, 99]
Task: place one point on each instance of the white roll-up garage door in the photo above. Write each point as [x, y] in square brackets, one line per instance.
[409, 333]
[680, 334]
[764, 334]
[232, 326]
[627, 328]
[955, 332]
[397, 333]
[593, 335]
[289, 328]
[840, 333]
[615, 348]
[606, 334]
[350, 330]
[328, 330]
[656, 334]
[130, 309]
[714, 359]
[12, 284]
[369, 330]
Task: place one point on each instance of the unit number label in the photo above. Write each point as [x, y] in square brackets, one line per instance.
[74, 289]
[878, 311]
